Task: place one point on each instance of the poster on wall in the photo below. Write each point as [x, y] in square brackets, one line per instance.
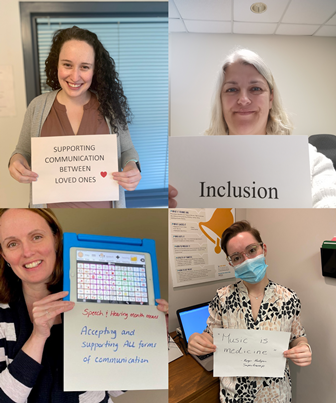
[195, 255]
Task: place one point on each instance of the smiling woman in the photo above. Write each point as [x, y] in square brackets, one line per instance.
[87, 98]
[31, 304]
[245, 84]
[246, 101]
[31, 277]
[75, 72]
[31, 251]
[30, 254]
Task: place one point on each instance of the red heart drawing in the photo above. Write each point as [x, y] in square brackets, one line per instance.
[103, 174]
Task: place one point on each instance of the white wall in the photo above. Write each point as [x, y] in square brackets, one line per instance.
[13, 194]
[293, 238]
[303, 68]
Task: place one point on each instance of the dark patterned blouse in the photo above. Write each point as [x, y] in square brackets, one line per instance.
[280, 311]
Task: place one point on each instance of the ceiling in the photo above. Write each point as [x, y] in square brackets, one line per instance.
[282, 17]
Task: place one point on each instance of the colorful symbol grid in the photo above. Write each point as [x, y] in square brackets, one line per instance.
[111, 283]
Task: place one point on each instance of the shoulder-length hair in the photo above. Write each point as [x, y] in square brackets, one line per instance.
[10, 284]
[278, 121]
[105, 81]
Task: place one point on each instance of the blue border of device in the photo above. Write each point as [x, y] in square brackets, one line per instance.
[71, 240]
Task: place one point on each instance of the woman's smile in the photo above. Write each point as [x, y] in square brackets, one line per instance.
[28, 245]
[75, 70]
[33, 265]
[246, 100]
[244, 112]
[74, 86]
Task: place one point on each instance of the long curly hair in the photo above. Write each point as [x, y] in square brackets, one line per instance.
[278, 121]
[105, 81]
[10, 284]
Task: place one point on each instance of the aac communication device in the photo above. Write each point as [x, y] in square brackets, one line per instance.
[112, 270]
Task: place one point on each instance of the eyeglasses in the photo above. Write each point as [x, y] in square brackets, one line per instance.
[250, 252]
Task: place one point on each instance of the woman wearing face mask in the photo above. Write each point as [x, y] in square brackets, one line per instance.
[87, 99]
[257, 303]
[246, 101]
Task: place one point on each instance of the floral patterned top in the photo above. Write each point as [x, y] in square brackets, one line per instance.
[280, 311]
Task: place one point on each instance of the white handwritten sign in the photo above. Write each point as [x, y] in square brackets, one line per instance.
[243, 352]
[74, 168]
[115, 347]
[240, 171]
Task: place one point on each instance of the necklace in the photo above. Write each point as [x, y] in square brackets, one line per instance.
[257, 296]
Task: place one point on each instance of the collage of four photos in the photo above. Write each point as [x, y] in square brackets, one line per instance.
[168, 201]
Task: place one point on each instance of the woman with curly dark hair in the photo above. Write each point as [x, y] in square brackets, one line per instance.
[87, 98]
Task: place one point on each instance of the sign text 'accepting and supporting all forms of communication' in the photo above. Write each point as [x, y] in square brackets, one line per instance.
[115, 347]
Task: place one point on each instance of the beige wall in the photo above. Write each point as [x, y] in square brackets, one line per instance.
[16, 194]
[293, 238]
[303, 67]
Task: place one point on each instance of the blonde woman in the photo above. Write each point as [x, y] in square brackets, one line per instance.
[246, 101]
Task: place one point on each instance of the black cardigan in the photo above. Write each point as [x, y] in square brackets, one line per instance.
[23, 378]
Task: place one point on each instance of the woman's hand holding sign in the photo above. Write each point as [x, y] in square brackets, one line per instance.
[129, 178]
[300, 354]
[201, 343]
[20, 170]
[45, 313]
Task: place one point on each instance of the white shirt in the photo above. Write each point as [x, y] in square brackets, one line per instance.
[323, 179]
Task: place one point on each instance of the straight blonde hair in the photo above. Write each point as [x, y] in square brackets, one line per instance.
[278, 121]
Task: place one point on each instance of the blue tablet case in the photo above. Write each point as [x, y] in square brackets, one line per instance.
[71, 240]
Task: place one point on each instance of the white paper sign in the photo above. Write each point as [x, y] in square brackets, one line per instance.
[243, 352]
[195, 255]
[115, 347]
[74, 168]
[240, 171]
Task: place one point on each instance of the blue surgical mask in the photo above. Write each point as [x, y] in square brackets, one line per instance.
[252, 270]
